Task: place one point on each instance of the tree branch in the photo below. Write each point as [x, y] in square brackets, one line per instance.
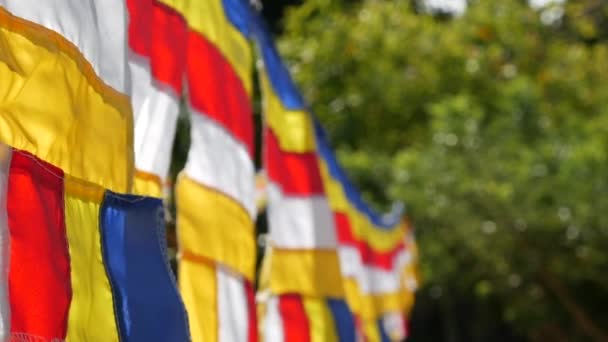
[580, 316]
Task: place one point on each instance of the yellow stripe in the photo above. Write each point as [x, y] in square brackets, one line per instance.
[214, 226]
[408, 294]
[261, 315]
[408, 300]
[379, 239]
[261, 188]
[320, 318]
[147, 184]
[293, 128]
[53, 105]
[333, 190]
[261, 204]
[264, 273]
[208, 18]
[373, 306]
[314, 273]
[370, 330]
[91, 314]
[198, 287]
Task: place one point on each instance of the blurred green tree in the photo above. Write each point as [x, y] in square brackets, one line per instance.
[492, 126]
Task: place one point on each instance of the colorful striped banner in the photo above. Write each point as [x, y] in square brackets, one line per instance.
[292, 317]
[80, 261]
[374, 254]
[85, 263]
[302, 298]
[215, 193]
[319, 225]
[157, 41]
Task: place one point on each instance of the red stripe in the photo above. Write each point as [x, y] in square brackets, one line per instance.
[140, 34]
[296, 327]
[216, 90]
[39, 274]
[252, 331]
[369, 256]
[296, 173]
[168, 49]
[359, 329]
[406, 327]
[159, 32]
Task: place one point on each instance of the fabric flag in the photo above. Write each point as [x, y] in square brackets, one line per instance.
[373, 253]
[302, 297]
[79, 261]
[215, 193]
[157, 56]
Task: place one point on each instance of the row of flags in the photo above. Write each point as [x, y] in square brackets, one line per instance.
[81, 258]
[89, 101]
[356, 268]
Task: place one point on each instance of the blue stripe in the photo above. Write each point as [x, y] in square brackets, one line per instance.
[239, 13]
[387, 221]
[148, 306]
[278, 75]
[291, 98]
[343, 318]
[383, 334]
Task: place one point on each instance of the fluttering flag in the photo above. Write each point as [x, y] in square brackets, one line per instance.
[157, 59]
[334, 268]
[80, 260]
[373, 251]
[215, 193]
[302, 297]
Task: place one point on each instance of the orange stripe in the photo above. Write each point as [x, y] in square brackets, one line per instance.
[147, 184]
[148, 177]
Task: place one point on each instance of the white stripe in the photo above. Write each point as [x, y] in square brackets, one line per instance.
[299, 222]
[273, 324]
[155, 111]
[372, 280]
[97, 28]
[5, 313]
[220, 162]
[233, 317]
[394, 325]
[141, 81]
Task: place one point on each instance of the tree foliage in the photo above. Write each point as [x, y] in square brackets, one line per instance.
[493, 127]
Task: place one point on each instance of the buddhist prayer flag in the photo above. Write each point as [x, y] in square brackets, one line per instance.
[89, 99]
[302, 296]
[64, 82]
[157, 56]
[373, 251]
[81, 260]
[351, 261]
[215, 193]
